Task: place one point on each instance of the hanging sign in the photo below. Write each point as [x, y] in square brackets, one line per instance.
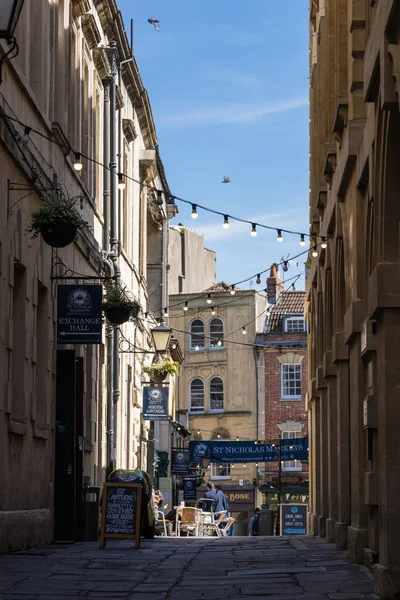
[79, 314]
[179, 462]
[293, 519]
[239, 452]
[189, 488]
[155, 403]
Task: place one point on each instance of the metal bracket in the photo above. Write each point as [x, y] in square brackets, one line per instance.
[11, 53]
[126, 347]
[58, 265]
[31, 188]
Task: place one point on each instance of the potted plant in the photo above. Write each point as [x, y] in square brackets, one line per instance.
[57, 220]
[159, 369]
[118, 306]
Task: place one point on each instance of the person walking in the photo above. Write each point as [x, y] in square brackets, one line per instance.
[217, 496]
[226, 507]
[254, 523]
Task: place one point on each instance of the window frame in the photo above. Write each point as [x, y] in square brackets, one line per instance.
[291, 396]
[291, 465]
[216, 410]
[191, 411]
[214, 476]
[295, 318]
[210, 345]
[192, 335]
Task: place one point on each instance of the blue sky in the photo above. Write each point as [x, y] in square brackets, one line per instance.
[228, 86]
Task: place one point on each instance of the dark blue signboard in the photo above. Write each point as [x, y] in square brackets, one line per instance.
[189, 488]
[79, 314]
[293, 519]
[179, 462]
[239, 452]
[155, 403]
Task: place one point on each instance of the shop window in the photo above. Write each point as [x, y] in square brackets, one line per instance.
[220, 471]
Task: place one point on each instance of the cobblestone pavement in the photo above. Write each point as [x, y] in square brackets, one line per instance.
[300, 568]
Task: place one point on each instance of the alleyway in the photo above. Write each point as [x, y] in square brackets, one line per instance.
[303, 568]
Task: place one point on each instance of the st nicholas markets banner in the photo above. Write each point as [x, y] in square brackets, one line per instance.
[238, 452]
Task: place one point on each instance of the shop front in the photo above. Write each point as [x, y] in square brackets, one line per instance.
[241, 505]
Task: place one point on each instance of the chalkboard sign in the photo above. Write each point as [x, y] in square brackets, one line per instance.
[121, 512]
[293, 519]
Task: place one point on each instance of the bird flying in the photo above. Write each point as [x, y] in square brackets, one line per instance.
[226, 179]
[155, 22]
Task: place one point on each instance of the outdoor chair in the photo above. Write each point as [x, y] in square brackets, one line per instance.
[188, 520]
[210, 523]
[161, 526]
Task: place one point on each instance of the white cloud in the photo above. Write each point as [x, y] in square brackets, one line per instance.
[230, 114]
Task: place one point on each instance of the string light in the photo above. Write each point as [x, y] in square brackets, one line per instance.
[253, 231]
[258, 280]
[78, 166]
[302, 240]
[219, 343]
[186, 307]
[324, 243]
[165, 312]
[197, 348]
[226, 222]
[280, 236]
[174, 346]
[244, 330]
[233, 291]
[212, 310]
[314, 253]
[218, 435]
[237, 438]
[121, 182]
[209, 299]
[198, 432]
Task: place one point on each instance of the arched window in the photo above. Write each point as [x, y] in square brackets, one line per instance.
[197, 396]
[197, 335]
[216, 394]
[216, 333]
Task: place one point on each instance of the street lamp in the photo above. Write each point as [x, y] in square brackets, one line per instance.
[161, 336]
[9, 14]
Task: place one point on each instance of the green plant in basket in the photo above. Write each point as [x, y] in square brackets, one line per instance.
[118, 305]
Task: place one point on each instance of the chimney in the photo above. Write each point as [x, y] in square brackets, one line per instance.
[274, 285]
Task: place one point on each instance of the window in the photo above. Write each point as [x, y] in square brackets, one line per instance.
[197, 335]
[197, 396]
[291, 465]
[216, 394]
[291, 381]
[216, 334]
[295, 325]
[220, 471]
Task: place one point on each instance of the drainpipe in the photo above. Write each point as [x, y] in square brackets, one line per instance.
[164, 290]
[120, 149]
[107, 82]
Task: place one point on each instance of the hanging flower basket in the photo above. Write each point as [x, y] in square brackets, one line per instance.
[59, 235]
[118, 306]
[57, 220]
[159, 370]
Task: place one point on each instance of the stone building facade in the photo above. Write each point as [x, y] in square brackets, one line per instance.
[286, 384]
[221, 387]
[54, 399]
[352, 303]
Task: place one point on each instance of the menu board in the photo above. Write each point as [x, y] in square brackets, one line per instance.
[121, 512]
[293, 519]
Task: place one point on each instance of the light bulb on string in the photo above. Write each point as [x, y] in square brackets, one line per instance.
[218, 435]
[244, 464]
[174, 346]
[244, 330]
[324, 243]
[121, 182]
[78, 166]
[212, 310]
[280, 236]
[219, 343]
[233, 291]
[253, 231]
[302, 240]
[237, 438]
[195, 214]
[197, 348]
[258, 279]
[186, 307]
[198, 432]
[159, 200]
[314, 253]
[165, 312]
[225, 224]
[209, 299]
[256, 465]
